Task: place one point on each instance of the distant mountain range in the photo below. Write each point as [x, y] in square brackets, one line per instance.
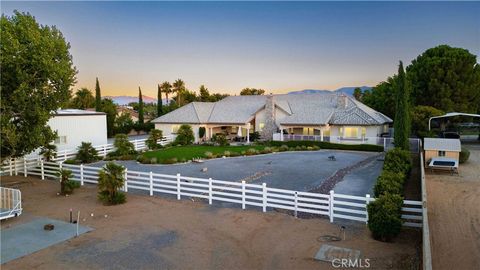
[124, 100]
[345, 90]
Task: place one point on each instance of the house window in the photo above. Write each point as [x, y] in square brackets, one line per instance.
[61, 140]
[175, 128]
[385, 128]
[364, 132]
[441, 153]
[261, 126]
[307, 131]
[350, 132]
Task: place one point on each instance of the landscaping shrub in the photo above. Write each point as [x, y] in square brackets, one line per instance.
[389, 182]
[170, 161]
[49, 152]
[227, 153]
[266, 150]
[384, 216]
[66, 185]
[143, 159]
[153, 138]
[254, 136]
[123, 146]
[153, 160]
[283, 148]
[398, 160]
[86, 153]
[208, 155]
[464, 155]
[328, 145]
[110, 180]
[185, 135]
[70, 161]
[220, 139]
[235, 154]
[201, 132]
[251, 152]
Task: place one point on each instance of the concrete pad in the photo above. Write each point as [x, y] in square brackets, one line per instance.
[328, 253]
[30, 237]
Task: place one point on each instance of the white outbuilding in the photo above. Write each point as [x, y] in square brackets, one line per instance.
[75, 126]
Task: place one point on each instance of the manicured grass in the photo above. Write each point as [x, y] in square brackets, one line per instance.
[195, 151]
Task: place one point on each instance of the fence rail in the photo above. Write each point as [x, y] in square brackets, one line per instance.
[332, 205]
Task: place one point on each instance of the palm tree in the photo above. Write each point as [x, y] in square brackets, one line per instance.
[86, 153]
[83, 99]
[49, 152]
[66, 185]
[167, 89]
[110, 180]
[179, 88]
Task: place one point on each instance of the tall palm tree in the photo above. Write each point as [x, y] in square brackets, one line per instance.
[167, 89]
[179, 88]
[83, 99]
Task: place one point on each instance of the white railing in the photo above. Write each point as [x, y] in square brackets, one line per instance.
[10, 202]
[332, 205]
[386, 142]
[427, 253]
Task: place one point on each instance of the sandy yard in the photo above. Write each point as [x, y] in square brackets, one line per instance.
[154, 232]
[454, 215]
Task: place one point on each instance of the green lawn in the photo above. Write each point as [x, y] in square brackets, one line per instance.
[194, 151]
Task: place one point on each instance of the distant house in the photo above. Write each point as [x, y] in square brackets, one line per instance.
[439, 147]
[75, 126]
[326, 116]
[129, 110]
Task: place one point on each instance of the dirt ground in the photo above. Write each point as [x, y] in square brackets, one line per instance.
[154, 232]
[454, 215]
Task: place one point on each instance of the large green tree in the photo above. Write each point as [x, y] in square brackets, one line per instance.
[110, 109]
[251, 91]
[446, 78]
[402, 110]
[37, 73]
[98, 96]
[357, 93]
[204, 93]
[420, 116]
[159, 101]
[382, 97]
[140, 107]
[83, 99]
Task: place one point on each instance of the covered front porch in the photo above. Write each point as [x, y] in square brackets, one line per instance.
[232, 131]
[298, 133]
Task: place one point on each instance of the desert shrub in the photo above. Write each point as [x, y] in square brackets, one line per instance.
[227, 153]
[153, 138]
[110, 179]
[266, 150]
[398, 160]
[464, 155]
[315, 147]
[208, 155]
[185, 135]
[123, 146]
[384, 216]
[66, 185]
[143, 159]
[389, 182]
[86, 153]
[243, 153]
[251, 151]
[283, 148]
[329, 145]
[234, 154]
[220, 139]
[170, 161]
[49, 152]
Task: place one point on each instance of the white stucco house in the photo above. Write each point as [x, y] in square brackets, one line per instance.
[322, 116]
[76, 126]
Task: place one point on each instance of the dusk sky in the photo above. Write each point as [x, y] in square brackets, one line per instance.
[277, 46]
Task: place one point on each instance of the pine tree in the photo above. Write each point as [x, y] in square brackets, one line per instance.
[159, 101]
[402, 122]
[98, 97]
[140, 106]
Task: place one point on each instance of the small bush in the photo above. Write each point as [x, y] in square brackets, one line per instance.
[153, 138]
[316, 147]
[266, 150]
[254, 136]
[283, 148]
[464, 155]
[49, 152]
[329, 145]
[110, 179]
[170, 161]
[86, 153]
[66, 185]
[70, 161]
[143, 159]
[235, 154]
[185, 135]
[208, 155]
[251, 151]
[398, 160]
[227, 153]
[153, 160]
[220, 139]
[118, 198]
[389, 182]
[183, 160]
[123, 146]
[384, 216]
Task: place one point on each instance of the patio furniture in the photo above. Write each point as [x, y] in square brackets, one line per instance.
[444, 163]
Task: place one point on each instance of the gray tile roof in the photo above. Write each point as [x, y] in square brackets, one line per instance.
[440, 144]
[302, 109]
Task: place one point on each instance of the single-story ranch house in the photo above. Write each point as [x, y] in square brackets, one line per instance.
[323, 116]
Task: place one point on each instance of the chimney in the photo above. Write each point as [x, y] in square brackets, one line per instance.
[342, 101]
[269, 127]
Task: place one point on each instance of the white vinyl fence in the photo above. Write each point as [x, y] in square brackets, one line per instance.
[332, 205]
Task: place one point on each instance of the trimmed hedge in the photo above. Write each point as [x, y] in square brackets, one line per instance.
[328, 145]
[398, 160]
[384, 216]
[389, 182]
[464, 155]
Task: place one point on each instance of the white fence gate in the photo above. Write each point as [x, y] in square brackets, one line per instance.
[10, 202]
[332, 205]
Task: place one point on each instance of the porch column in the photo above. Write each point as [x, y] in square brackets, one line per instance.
[321, 134]
[281, 133]
[248, 133]
[211, 132]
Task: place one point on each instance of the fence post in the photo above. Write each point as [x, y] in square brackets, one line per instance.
[15, 166]
[81, 174]
[330, 206]
[125, 187]
[65, 154]
[104, 150]
[151, 183]
[384, 144]
[367, 199]
[264, 191]
[42, 169]
[210, 195]
[296, 202]
[11, 168]
[178, 187]
[243, 194]
[135, 144]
